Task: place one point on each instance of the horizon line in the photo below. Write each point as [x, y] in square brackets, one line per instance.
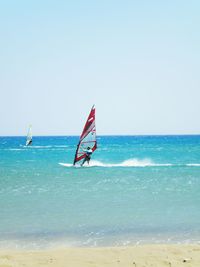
[71, 135]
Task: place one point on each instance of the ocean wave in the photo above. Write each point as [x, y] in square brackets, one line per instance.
[26, 147]
[65, 164]
[39, 146]
[126, 163]
[46, 147]
[132, 163]
[13, 149]
[193, 164]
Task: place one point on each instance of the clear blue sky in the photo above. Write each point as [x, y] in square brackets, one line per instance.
[138, 61]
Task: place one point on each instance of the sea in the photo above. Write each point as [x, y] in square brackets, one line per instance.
[136, 190]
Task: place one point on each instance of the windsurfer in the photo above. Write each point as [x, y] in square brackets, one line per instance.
[88, 153]
[87, 140]
[29, 142]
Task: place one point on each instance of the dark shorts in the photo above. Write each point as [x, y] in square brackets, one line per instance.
[87, 157]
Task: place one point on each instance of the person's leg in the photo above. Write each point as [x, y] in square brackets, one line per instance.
[83, 161]
[88, 160]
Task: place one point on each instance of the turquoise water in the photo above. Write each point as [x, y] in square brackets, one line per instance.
[138, 189]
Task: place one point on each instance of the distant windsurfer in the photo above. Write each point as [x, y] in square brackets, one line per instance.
[88, 154]
[29, 136]
[29, 142]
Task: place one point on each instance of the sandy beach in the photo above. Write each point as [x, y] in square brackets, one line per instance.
[140, 256]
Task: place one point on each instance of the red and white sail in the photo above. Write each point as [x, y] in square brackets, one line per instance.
[87, 138]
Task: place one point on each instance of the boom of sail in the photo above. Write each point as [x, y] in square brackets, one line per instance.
[87, 138]
[29, 136]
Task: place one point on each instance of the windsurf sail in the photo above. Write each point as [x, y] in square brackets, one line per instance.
[87, 138]
[29, 136]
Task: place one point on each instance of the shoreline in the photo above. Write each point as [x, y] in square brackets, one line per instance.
[153, 255]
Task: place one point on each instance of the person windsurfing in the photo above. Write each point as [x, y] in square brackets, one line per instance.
[29, 136]
[29, 142]
[88, 154]
[87, 140]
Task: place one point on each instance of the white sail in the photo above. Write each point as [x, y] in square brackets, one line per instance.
[29, 136]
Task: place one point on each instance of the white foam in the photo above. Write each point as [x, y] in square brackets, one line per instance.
[193, 164]
[65, 164]
[14, 149]
[127, 163]
[40, 146]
